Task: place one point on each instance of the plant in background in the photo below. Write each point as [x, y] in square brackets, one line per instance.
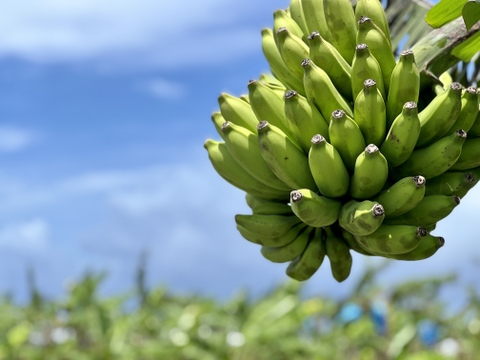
[357, 140]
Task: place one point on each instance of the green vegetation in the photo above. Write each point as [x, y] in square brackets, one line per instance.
[407, 322]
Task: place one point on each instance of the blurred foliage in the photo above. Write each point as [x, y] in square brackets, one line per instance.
[406, 322]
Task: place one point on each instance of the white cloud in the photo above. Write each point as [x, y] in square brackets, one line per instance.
[29, 236]
[14, 139]
[165, 89]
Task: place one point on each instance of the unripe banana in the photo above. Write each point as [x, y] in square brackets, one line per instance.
[446, 79]
[293, 51]
[369, 33]
[296, 12]
[315, 18]
[402, 136]
[304, 119]
[304, 266]
[238, 112]
[338, 252]
[231, 171]
[404, 85]
[327, 168]
[268, 104]
[392, 239]
[374, 10]
[218, 121]
[271, 241]
[285, 159]
[314, 210]
[290, 251]
[470, 155]
[353, 244]
[370, 173]
[341, 21]
[475, 129]
[469, 110]
[346, 137]
[369, 113]
[281, 19]
[267, 226]
[262, 206]
[321, 91]
[243, 145]
[327, 57]
[361, 217]
[452, 183]
[439, 115]
[277, 65]
[402, 196]
[428, 246]
[271, 81]
[434, 159]
[365, 66]
[429, 211]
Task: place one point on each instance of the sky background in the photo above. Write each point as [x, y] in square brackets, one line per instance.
[104, 109]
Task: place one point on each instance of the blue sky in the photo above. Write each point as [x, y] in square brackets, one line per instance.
[104, 108]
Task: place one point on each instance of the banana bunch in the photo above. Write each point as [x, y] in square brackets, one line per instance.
[339, 149]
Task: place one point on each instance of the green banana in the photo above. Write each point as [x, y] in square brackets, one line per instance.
[353, 244]
[268, 226]
[402, 196]
[327, 57]
[436, 158]
[346, 137]
[402, 136]
[218, 121]
[390, 240]
[277, 65]
[304, 119]
[228, 168]
[475, 129]
[296, 12]
[290, 251]
[268, 240]
[341, 21]
[304, 266]
[428, 247]
[314, 13]
[243, 145]
[285, 159]
[262, 206]
[293, 51]
[237, 111]
[338, 253]
[281, 19]
[404, 85]
[470, 155]
[327, 168]
[321, 91]
[272, 82]
[452, 183]
[361, 217]
[374, 10]
[370, 173]
[429, 211]
[314, 210]
[370, 114]
[469, 110]
[380, 47]
[439, 115]
[365, 66]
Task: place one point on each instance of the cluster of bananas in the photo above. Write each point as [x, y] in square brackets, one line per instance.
[333, 151]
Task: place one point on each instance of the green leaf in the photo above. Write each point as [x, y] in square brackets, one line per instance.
[466, 50]
[444, 12]
[471, 13]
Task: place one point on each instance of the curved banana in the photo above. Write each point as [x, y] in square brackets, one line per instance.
[338, 253]
[365, 66]
[304, 119]
[271, 241]
[380, 47]
[293, 51]
[361, 217]
[402, 196]
[285, 159]
[436, 158]
[452, 183]
[346, 137]
[439, 115]
[262, 206]
[353, 244]
[369, 112]
[290, 251]
[327, 57]
[267, 226]
[218, 121]
[428, 246]
[475, 129]
[404, 85]
[370, 173]
[327, 168]
[281, 19]
[314, 210]
[321, 91]
[402, 135]
[469, 157]
[296, 12]
[304, 266]
[314, 13]
[429, 211]
[238, 112]
[390, 240]
[374, 10]
[469, 110]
